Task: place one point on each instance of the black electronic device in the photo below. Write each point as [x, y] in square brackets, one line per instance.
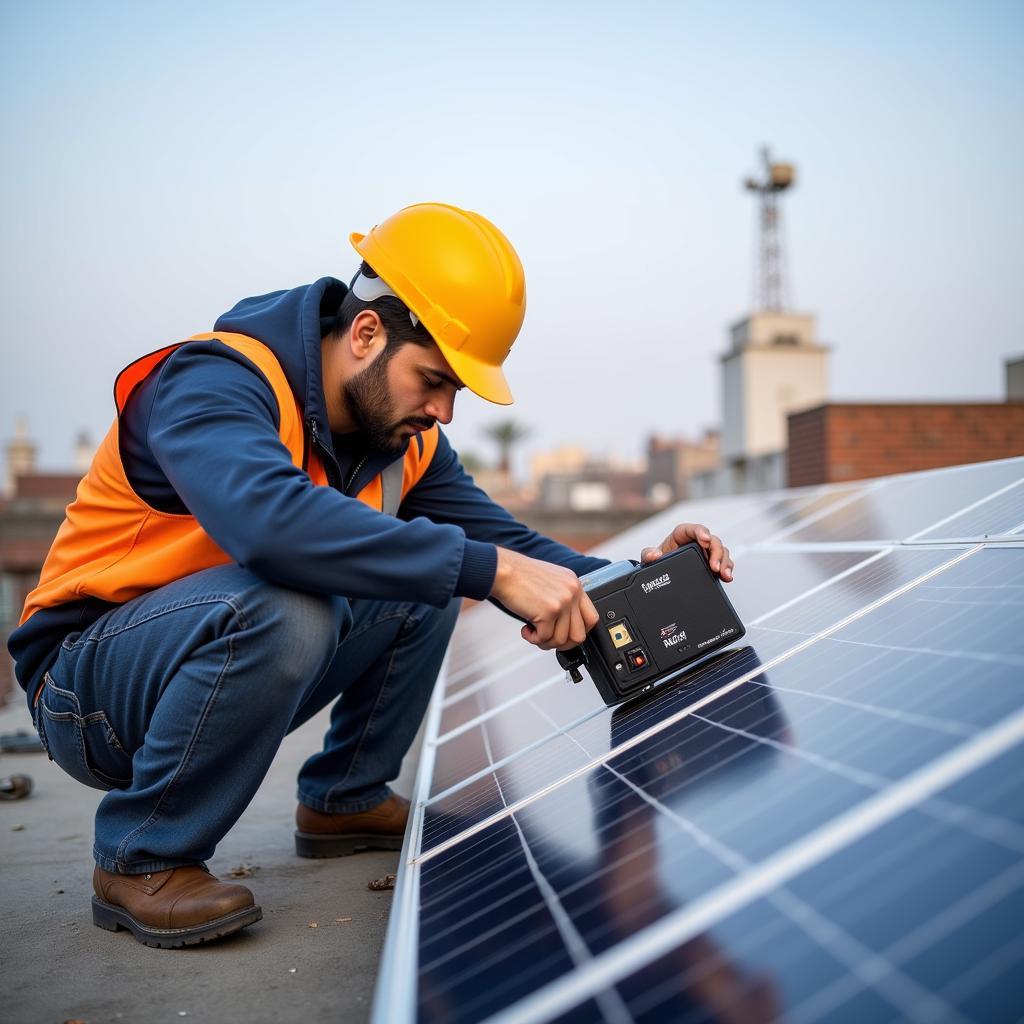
[655, 619]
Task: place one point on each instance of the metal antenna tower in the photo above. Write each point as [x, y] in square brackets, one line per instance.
[777, 178]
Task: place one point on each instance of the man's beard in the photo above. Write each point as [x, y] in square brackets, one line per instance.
[368, 400]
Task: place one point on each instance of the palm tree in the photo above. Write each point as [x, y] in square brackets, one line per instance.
[506, 434]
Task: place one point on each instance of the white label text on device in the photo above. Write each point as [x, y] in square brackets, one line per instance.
[655, 584]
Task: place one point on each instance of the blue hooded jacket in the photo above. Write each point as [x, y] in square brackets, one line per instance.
[200, 436]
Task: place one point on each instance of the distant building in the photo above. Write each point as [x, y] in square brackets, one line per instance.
[500, 485]
[1015, 380]
[20, 456]
[672, 462]
[572, 479]
[580, 499]
[775, 366]
[31, 511]
[565, 459]
[852, 441]
[595, 488]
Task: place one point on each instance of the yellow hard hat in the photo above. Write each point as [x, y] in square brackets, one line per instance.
[461, 277]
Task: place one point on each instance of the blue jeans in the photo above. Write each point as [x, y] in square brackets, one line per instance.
[176, 702]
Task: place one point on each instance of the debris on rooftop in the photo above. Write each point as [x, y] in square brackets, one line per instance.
[21, 741]
[15, 787]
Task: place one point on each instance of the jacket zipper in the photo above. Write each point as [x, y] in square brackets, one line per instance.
[331, 466]
[355, 472]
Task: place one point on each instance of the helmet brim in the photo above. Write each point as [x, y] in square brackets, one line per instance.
[481, 378]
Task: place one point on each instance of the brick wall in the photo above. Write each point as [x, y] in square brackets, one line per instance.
[846, 441]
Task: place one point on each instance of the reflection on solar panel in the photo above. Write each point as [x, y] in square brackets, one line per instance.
[825, 823]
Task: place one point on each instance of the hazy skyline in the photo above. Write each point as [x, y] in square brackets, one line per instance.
[163, 162]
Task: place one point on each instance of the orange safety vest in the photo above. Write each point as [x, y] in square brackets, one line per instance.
[113, 546]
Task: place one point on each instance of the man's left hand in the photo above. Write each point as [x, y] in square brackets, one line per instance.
[717, 552]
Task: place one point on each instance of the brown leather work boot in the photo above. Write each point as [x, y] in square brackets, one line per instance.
[337, 835]
[169, 909]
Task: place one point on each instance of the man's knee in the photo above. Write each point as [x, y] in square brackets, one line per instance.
[297, 632]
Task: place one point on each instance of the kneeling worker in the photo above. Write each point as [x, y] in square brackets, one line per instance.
[275, 523]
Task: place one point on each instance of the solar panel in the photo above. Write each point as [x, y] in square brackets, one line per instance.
[906, 507]
[821, 823]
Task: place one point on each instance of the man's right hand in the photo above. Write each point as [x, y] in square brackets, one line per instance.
[550, 597]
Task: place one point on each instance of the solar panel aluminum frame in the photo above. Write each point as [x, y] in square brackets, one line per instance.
[394, 997]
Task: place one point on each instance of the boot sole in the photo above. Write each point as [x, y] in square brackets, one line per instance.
[107, 916]
[309, 844]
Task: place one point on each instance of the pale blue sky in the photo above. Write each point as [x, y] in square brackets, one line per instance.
[163, 160]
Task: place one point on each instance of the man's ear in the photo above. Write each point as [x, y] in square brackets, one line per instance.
[367, 335]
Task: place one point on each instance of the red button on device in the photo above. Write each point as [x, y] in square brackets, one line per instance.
[639, 660]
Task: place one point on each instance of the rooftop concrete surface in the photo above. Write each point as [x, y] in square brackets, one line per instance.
[300, 963]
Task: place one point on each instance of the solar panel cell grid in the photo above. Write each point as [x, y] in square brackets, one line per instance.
[527, 769]
[773, 518]
[875, 578]
[530, 727]
[739, 776]
[831, 688]
[720, 670]
[772, 578]
[741, 520]
[1001, 513]
[973, 609]
[902, 507]
[777, 580]
[628, 875]
[874, 906]
[498, 649]
[541, 680]
[822, 824]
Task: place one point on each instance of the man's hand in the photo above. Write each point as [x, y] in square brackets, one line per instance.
[717, 552]
[550, 597]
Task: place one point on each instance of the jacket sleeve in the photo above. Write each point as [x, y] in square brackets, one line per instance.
[213, 432]
[447, 494]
